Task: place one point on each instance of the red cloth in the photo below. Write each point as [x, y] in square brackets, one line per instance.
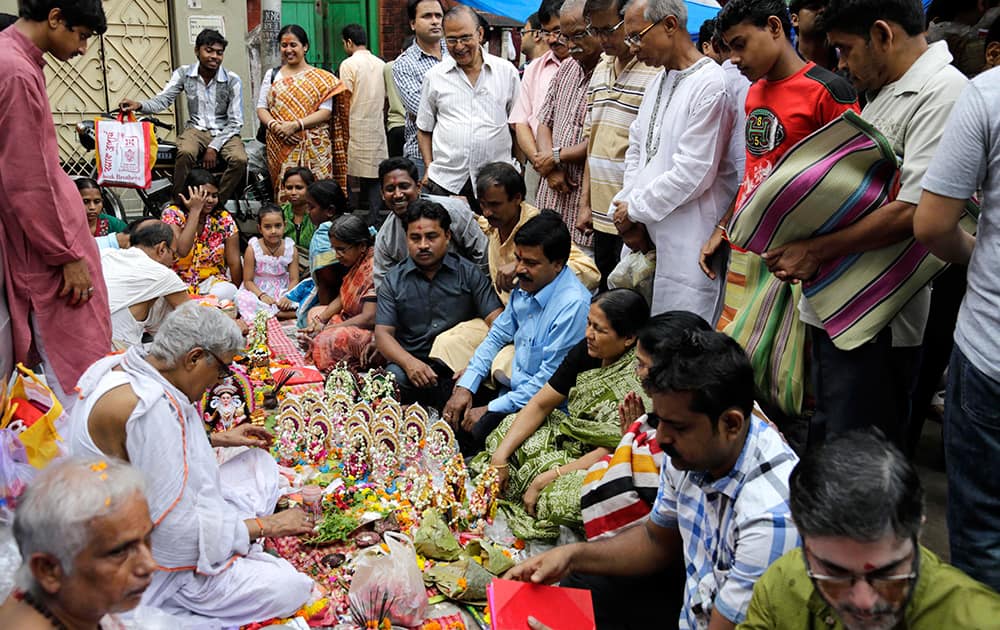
[779, 114]
[282, 346]
[43, 225]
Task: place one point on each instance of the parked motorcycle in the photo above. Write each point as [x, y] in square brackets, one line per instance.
[257, 185]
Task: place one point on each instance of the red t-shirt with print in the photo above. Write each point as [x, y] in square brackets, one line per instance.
[781, 113]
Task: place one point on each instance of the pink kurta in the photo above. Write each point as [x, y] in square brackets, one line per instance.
[43, 225]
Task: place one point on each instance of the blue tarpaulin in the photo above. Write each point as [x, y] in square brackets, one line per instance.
[698, 10]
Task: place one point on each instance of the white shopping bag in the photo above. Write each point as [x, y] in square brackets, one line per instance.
[126, 152]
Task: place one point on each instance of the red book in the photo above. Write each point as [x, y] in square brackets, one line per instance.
[511, 603]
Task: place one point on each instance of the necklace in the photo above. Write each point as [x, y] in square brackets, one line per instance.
[42, 610]
[653, 133]
[272, 252]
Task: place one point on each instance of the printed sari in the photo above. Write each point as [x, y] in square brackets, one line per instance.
[323, 149]
[591, 422]
[348, 343]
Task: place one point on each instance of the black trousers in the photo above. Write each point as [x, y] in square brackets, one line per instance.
[468, 191]
[634, 602]
[607, 253]
[868, 386]
[472, 442]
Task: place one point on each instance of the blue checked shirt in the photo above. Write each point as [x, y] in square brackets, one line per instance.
[408, 72]
[543, 327]
[732, 528]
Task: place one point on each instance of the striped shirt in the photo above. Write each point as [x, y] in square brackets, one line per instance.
[732, 528]
[408, 72]
[612, 105]
[563, 112]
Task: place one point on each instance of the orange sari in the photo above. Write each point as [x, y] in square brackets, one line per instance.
[323, 149]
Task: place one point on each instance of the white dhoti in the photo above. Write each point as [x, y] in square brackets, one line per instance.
[208, 568]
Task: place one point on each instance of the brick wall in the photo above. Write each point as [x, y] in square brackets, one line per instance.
[394, 25]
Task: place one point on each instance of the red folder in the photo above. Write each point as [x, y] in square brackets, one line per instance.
[303, 375]
[511, 603]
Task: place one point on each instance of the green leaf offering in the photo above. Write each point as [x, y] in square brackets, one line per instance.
[491, 556]
[434, 539]
[335, 527]
[464, 580]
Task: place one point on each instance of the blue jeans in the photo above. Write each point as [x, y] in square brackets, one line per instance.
[972, 459]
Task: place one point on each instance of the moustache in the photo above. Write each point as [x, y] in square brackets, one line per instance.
[669, 450]
[523, 277]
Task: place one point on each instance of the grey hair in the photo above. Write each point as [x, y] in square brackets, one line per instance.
[596, 6]
[462, 9]
[196, 326]
[857, 486]
[54, 513]
[656, 10]
[351, 230]
[570, 6]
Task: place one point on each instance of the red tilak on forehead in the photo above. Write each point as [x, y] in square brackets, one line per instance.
[869, 566]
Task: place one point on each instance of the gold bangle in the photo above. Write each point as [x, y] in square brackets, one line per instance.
[721, 227]
[558, 472]
[500, 465]
[302, 125]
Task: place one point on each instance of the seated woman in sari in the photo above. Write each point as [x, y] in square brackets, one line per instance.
[346, 327]
[326, 202]
[306, 111]
[206, 239]
[541, 452]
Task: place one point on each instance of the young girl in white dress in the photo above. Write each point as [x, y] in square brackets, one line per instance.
[267, 264]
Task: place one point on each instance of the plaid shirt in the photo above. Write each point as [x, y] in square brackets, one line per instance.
[732, 528]
[408, 72]
[563, 112]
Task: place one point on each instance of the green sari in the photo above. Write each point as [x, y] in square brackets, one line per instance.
[592, 422]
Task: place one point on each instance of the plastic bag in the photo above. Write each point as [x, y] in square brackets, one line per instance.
[396, 576]
[41, 438]
[15, 473]
[125, 152]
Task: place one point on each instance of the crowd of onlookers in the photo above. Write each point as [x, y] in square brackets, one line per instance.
[689, 299]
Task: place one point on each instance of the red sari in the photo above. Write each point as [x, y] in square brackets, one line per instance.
[349, 343]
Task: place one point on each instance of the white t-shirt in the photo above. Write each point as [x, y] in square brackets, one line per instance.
[967, 160]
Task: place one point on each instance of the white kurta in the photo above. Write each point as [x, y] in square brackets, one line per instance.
[207, 566]
[678, 145]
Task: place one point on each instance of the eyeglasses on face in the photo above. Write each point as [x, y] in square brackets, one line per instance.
[892, 588]
[340, 251]
[554, 35]
[636, 38]
[224, 370]
[604, 31]
[575, 38]
[463, 40]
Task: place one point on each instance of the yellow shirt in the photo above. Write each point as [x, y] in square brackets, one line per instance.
[362, 75]
[502, 254]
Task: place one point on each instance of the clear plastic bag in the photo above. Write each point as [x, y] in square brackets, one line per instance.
[15, 473]
[395, 576]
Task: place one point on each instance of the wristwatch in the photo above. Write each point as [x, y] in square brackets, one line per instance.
[555, 155]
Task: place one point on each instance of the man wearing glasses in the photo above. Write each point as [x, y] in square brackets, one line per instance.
[535, 84]
[210, 518]
[464, 105]
[678, 173]
[722, 505]
[560, 136]
[613, 100]
[858, 505]
[533, 43]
